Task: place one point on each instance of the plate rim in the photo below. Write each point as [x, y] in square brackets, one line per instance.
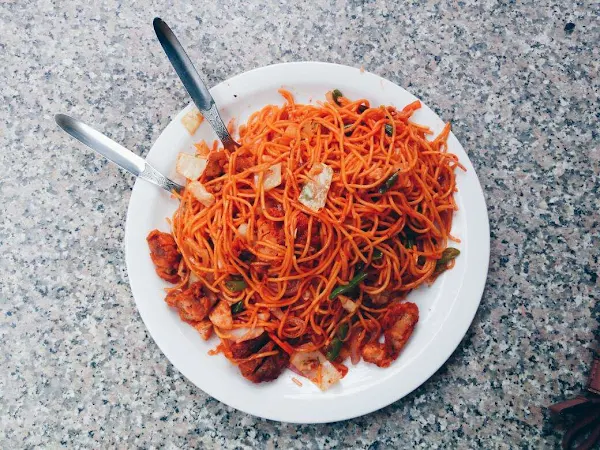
[477, 288]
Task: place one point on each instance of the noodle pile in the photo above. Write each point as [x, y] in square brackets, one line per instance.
[389, 209]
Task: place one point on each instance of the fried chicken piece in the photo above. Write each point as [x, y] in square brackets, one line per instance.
[164, 255]
[217, 162]
[259, 370]
[271, 367]
[375, 353]
[191, 303]
[247, 368]
[265, 369]
[400, 321]
[398, 324]
[241, 350]
[221, 316]
[205, 328]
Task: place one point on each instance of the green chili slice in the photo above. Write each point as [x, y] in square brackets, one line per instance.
[447, 255]
[337, 342]
[238, 307]
[354, 282]
[236, 285]
[389, 183]
[336, 94]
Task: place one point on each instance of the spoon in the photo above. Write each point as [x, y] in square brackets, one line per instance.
[115, 152]
[192, 82]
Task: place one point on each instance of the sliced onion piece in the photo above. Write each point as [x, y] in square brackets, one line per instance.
[347, 304]
[242, 334]
[201, 194]
[190, 166]
[243, 229]
[315, 367]
[277, 312]
[272, 177]
[193, 278]
[263, 315]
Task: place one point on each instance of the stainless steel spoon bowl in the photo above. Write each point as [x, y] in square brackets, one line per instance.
[115, 152]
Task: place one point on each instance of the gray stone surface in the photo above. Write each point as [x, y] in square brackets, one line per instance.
[78, 368]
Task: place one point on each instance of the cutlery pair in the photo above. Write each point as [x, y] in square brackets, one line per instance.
[197, 90]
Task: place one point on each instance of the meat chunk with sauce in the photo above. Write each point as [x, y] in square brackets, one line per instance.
[267, 368]
[164, 255]
[205, 328]
[375, 353]
[263, 369]
[191, 303]
[247, 368]
[271, 367]
[216, 164]
[398, 324]
[242, 350]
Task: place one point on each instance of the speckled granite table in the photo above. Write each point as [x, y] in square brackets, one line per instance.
[520, 82]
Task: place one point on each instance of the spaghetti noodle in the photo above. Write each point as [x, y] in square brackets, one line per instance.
[314, 230]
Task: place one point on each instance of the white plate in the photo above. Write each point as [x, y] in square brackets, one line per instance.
[446, 308]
